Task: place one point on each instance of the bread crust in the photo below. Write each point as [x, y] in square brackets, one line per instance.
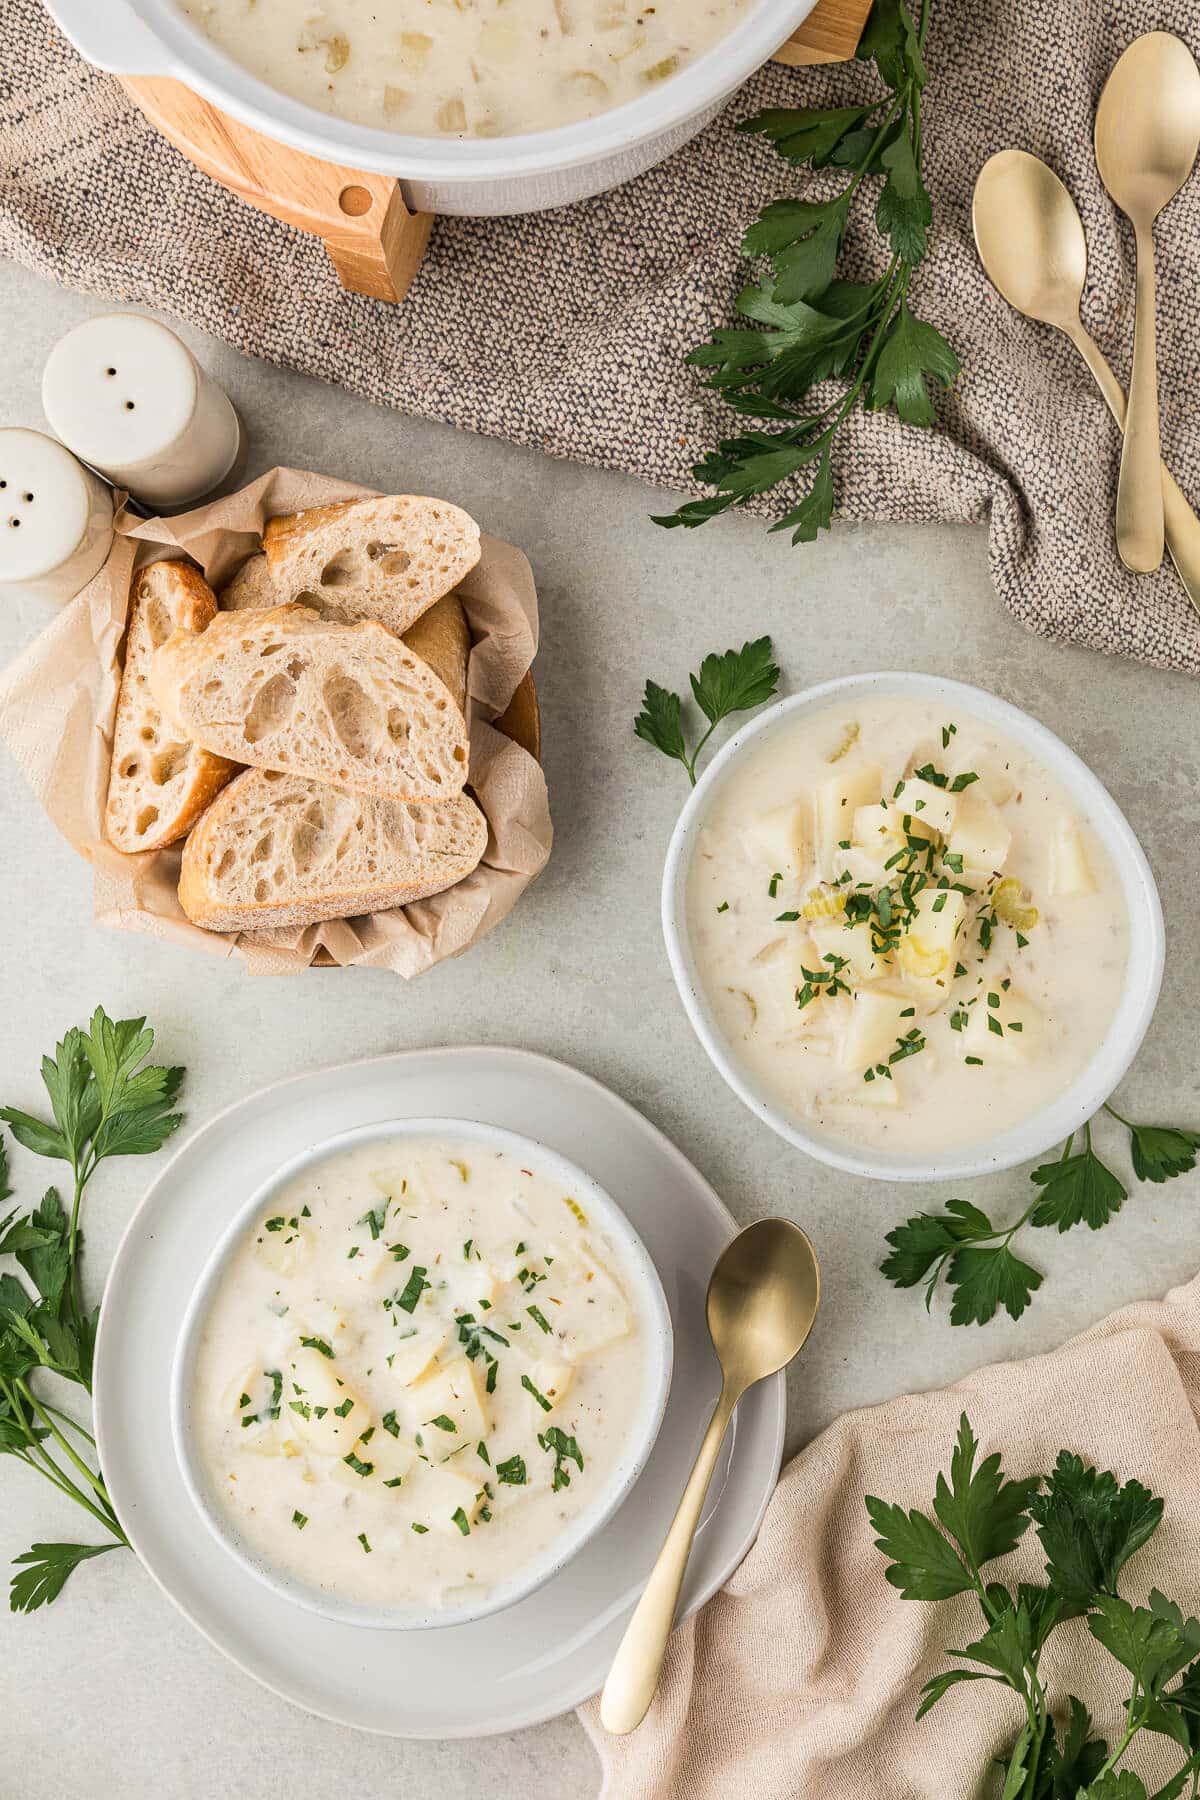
[159, 783]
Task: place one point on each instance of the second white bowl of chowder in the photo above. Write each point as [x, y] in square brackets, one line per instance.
[423, 1367]
[912, 930]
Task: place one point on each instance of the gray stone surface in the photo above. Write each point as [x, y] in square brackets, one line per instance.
[110, 1691]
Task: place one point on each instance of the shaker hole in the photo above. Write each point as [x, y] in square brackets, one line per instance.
[27, 498]
[110, 371]
[14, 524]
[129, 406]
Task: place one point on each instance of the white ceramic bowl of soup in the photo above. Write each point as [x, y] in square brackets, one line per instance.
[407, 1573]
[526, 172]
[984, 1099]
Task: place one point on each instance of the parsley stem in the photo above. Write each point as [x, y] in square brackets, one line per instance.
[32, 1400]
[1114, 1114]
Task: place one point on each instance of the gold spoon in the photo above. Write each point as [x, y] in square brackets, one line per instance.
[1147, 136]
[762, 1300]
[1031, 243]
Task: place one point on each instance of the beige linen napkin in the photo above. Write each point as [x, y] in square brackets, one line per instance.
[567, 330]
[801, 1678]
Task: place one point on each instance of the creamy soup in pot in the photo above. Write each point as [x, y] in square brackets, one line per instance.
[907, 933]
[465, 68]
[420, 1366]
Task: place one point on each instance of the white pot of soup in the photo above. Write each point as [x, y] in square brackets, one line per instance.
[422, 1369]
[478, 106]
[912, 930]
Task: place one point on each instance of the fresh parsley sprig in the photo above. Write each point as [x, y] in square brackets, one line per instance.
[734, 682]
[105, 1100]
[1089, 1526]
[807, 326]
[975, 1257]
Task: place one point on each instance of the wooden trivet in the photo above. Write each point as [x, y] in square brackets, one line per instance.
[375, 242]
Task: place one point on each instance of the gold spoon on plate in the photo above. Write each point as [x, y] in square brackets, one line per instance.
[1031, 243]
[1147, 137]
[762, 1301]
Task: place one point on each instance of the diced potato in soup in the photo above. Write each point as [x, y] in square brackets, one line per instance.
[418, 1367]
[958, 937]
[465, 68]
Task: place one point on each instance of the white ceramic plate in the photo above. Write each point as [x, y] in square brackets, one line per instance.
[551, 1651]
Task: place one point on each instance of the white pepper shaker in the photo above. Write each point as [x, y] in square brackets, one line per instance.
[56, 519]
[126, 395]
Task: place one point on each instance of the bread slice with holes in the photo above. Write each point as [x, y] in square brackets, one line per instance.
[386, 559]
[160, 781]
[284, 689]
[281, 850]
[440, 637]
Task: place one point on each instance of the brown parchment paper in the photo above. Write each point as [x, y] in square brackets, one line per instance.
[58, 699]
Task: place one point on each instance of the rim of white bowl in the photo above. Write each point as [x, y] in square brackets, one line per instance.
[1067, 1111]
[653, 1310]
[187, 55]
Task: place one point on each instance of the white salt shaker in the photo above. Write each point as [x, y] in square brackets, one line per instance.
[126, 395]
[56, 519]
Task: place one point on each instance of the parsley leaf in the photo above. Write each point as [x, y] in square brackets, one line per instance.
[1077, 1189]
[728, 683]
[986, 1279]
[43, 1572]
[984, 1512]
[1089, 1526]
[924, 1565]
[1160, 1152]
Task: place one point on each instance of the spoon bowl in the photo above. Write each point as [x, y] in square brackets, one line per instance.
[763, 1297]
[1030, 237]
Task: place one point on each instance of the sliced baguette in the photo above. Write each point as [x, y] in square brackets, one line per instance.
[280, 850]
[281, 688]
[386, 559]
[159, 782]
[440, 637]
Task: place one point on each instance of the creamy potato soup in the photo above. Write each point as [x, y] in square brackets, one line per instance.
[906, 931]
[464, 68]
[419, 1366]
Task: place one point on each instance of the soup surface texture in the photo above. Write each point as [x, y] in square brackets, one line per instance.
[464, 68]
[906, 931]
[419, 1366]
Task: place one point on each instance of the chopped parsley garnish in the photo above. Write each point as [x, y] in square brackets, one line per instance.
[541, 1399]
[277, 1223]
[512, 1471]
[565, 1450]
[481, 1451]
[360, 1468]
[362, 1538]
[773, 884]
[443, 1422]
[389, 1424]
[539, 1318]
[344, 1410]
[413, 1289]
[460, 1519]
[314, 1343]
[374, 1219]
[724, 906]
[420, 1529]
[299, 1520]
[398, 1252]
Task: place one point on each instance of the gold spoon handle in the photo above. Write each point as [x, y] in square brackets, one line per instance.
[1139, 491]
[635, 1670]
[1182, 525]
